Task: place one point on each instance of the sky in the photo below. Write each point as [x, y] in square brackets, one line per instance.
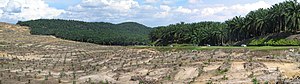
[148, 12]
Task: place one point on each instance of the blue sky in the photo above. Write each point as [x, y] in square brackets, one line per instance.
[149, 12]
[62, 4]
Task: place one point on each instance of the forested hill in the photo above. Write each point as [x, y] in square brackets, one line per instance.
[128, 33]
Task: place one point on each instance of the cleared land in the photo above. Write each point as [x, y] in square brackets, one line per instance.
[36, 59]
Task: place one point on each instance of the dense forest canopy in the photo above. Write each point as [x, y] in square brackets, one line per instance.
[128, 33]
[281, 17]
[195, 33]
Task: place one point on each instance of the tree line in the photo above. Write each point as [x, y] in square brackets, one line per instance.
[190, 33]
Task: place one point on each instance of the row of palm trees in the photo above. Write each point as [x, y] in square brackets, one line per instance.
[281, 17]
[191, 33]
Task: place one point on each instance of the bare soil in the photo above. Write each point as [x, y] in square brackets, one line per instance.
[33, 59]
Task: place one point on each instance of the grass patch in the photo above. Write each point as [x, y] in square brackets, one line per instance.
[175, 48]
[274, 42]
[255, 81]
[3, 43]
[220, 72]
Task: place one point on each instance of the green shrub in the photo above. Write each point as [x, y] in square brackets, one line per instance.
[181, 45]
[219, 72]
[257, 42]
[274, 42]
[271, 42]
[255, 81]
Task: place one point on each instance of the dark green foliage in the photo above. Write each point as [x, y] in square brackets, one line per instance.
[219, 72]
[201, 33]
[128, 33]
[274, 42]
[224, 77]
[266, 82]
[104, 82]
[209, 82]
[74, 82]
[255, 81]
[168, 77]
[3, 43]
[281, 17]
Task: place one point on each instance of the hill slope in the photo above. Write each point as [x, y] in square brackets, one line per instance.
[275, 39]
[128, 33]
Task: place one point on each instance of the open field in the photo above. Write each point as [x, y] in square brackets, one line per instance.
[32, 59]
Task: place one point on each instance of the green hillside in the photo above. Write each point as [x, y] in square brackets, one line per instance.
[128, 33]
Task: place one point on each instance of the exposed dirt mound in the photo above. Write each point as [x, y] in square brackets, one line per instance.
[10, 28]
[296, 36]
[254, 65]
[225, 66]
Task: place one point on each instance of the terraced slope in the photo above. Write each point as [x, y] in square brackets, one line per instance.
[38, 59]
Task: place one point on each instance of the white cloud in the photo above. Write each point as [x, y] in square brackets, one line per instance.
[3, 3]
[168, 2]
[148, 7]
[273, 1]
[155, 14]
[103, 10]
[183, 10]
[14, 10]
[161, 15]
[149, 12]
[151, 1]
[165, 11]
[212, 10]
[238, 9]
[165, 7]
[194, 1]
[121, 5]
[12, 7]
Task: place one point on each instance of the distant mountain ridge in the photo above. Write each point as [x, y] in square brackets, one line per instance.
[127, 33]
